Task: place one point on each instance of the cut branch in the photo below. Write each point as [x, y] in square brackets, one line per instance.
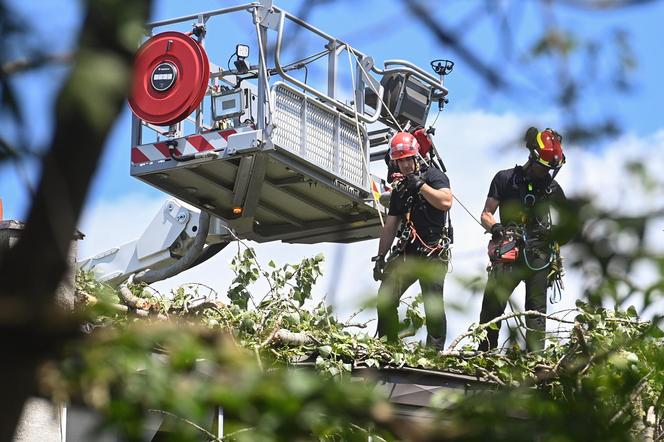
[480, 327]
[133, 301]
[287, 337]
[91, 300]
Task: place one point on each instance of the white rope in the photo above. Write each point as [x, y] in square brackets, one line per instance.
[386, 107]
[468, 211]
[401, 129]
[359, 139]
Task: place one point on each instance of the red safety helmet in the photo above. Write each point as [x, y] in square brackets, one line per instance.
[403, 145]
[546, 147]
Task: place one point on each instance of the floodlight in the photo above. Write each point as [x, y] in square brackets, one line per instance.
[242, 51]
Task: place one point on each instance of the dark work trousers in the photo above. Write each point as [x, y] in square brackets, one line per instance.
[503, 279]
[400, 274]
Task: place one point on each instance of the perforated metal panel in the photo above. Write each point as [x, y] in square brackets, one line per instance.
[320, 135]
[351, 153]
[289, 109]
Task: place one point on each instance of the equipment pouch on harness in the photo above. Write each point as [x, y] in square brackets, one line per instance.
[507, 250]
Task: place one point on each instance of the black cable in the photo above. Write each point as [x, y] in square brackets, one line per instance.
[228, 63]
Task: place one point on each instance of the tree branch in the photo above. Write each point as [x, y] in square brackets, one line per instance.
[480, 327]
[447, 38]
[25, 64]
[633, 397]
[133, 301]
[86, 108]
[291, 338]
[91, 300]
[186, 421]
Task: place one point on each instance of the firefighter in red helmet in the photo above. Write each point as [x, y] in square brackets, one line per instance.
[521, 246]
[418, 212]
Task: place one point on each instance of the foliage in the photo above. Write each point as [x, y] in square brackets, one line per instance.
[187, 371]
[598, 385]
[257, 364]
[608, 371]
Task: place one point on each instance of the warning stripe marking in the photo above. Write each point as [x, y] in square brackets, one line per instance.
[196, 143]
[217, 140]
[138, 157]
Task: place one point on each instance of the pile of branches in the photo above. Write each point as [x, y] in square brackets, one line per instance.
[606, 364]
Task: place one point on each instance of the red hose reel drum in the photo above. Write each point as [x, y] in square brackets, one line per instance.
[171, 74]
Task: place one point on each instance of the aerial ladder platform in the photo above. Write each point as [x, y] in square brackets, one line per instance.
[255, 151]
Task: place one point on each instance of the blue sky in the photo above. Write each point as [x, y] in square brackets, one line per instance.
[385, 30]
[472, 131]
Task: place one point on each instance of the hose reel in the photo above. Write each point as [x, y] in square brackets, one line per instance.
[170, 79]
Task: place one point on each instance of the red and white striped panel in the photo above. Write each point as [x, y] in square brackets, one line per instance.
[216, 140]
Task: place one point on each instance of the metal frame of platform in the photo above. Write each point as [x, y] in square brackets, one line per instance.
[296, 166]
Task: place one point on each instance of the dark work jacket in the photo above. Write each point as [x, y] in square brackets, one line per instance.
[526, 202]
[429, 221]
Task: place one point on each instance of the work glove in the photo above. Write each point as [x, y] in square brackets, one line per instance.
[395, 178]
[497, 232]
[414, 183]
[379, 267]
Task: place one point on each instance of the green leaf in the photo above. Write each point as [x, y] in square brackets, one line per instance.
[325, 350]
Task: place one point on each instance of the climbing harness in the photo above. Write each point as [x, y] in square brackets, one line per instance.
[408, 234]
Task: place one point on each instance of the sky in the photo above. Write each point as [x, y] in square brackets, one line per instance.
[477, 133]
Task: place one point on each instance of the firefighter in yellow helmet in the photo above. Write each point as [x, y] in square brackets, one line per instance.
[521, 246]
[418, 211]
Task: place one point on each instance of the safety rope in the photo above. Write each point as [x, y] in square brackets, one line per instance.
[401, 130]
[376, 92]
[307, 60]
[359, 140]
[536, 269]
[467, 211]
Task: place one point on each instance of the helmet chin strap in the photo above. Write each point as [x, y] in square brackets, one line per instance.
[545, 180]
[555, 172]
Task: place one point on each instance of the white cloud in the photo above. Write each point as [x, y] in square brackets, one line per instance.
[111, 223]
[474, 145]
